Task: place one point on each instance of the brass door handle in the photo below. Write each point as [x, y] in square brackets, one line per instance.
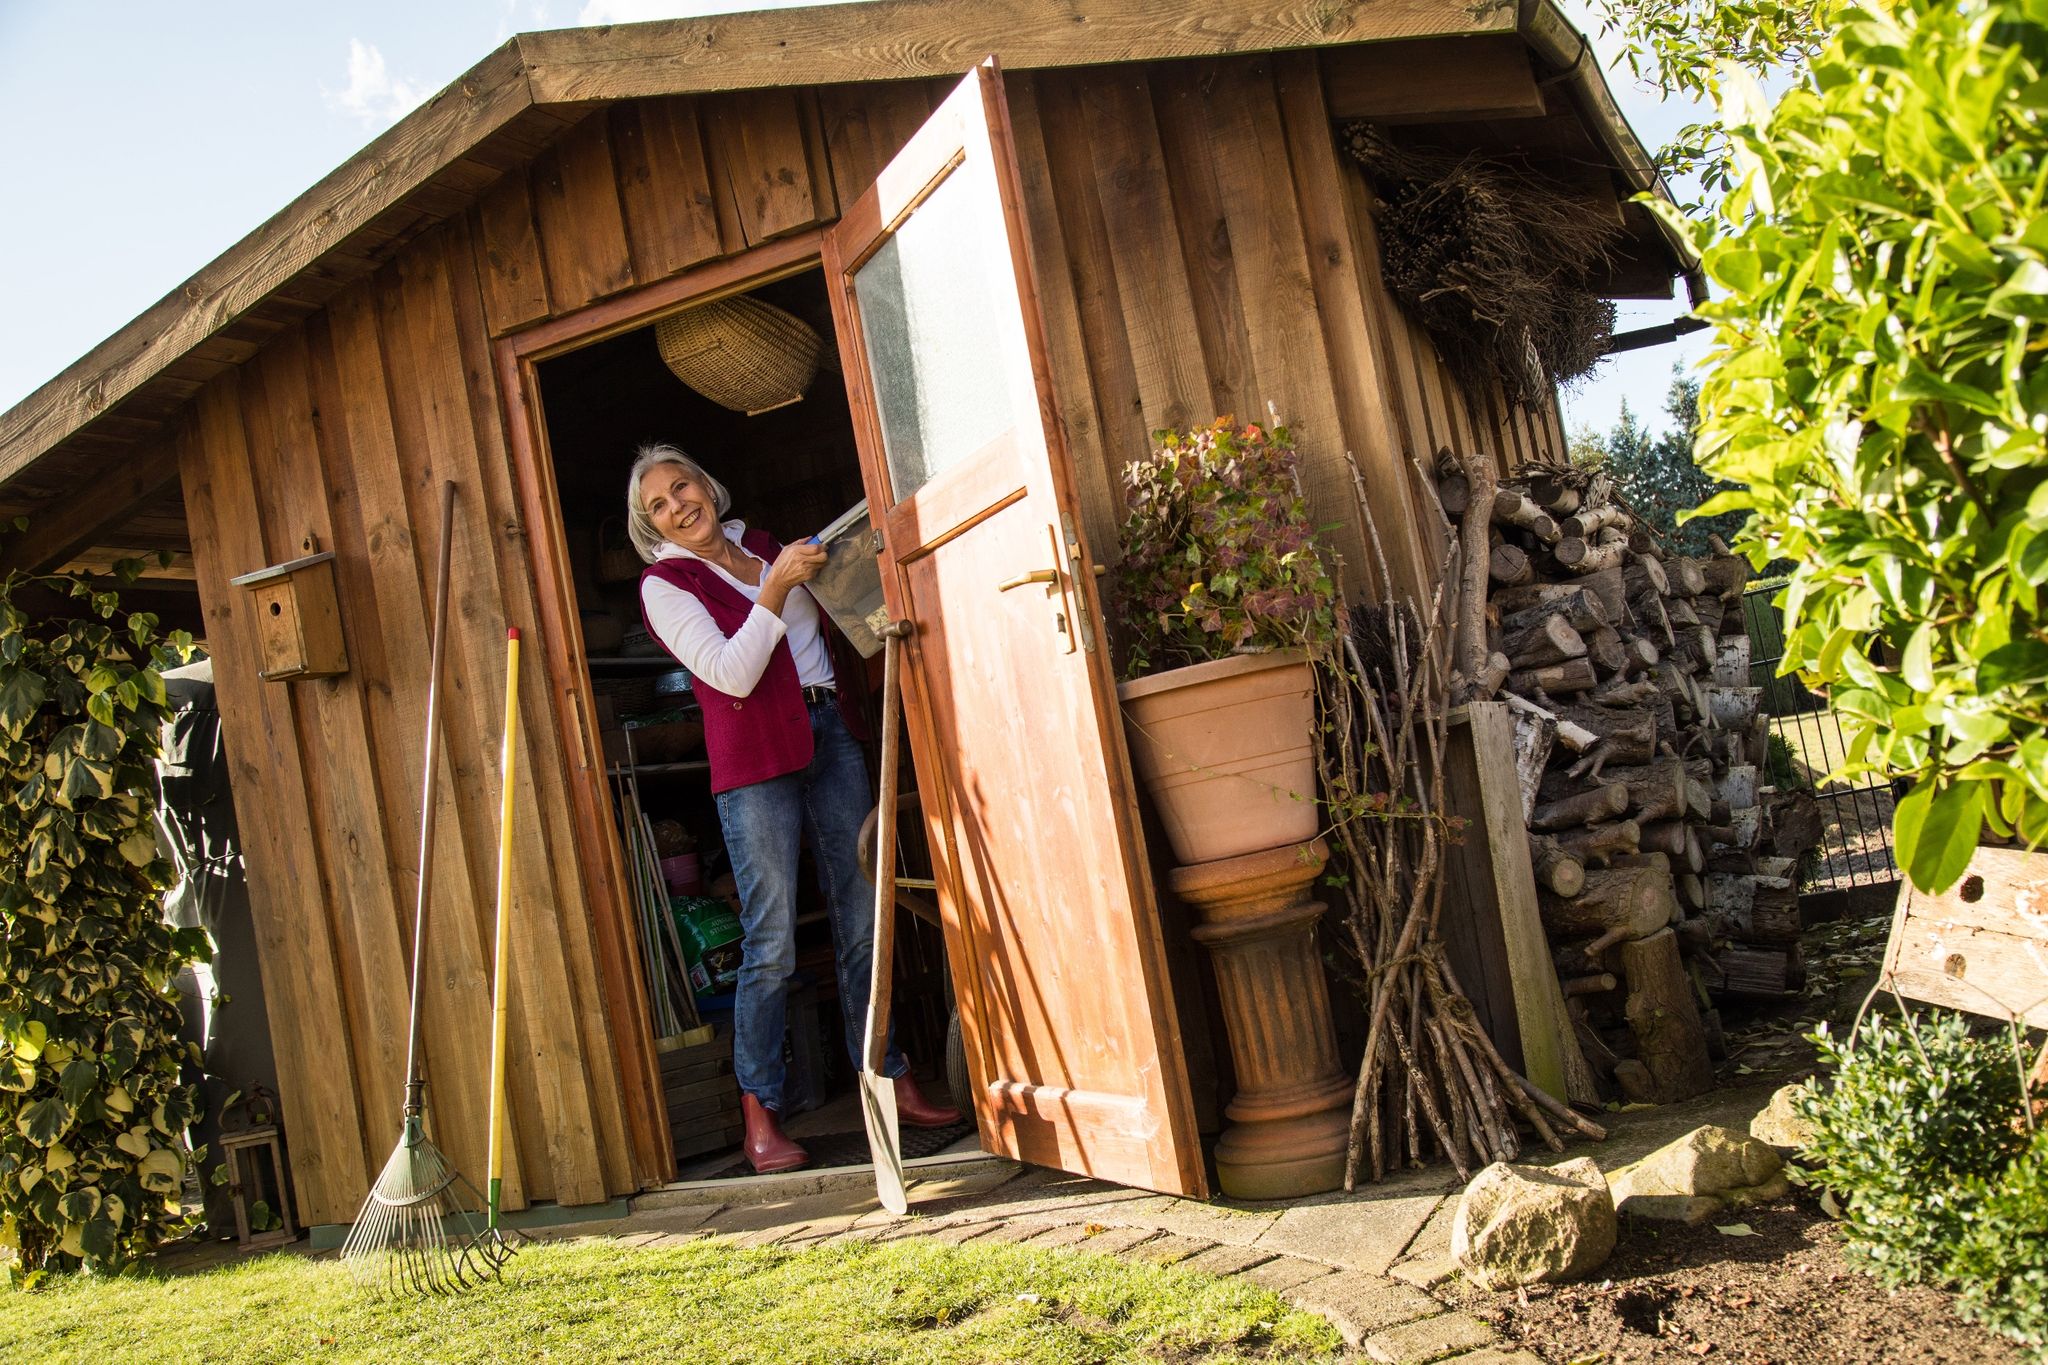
[1026, 579]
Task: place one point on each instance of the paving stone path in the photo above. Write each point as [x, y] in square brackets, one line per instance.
[1366, 1262]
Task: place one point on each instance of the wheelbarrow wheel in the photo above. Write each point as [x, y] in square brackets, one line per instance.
[957, 1080]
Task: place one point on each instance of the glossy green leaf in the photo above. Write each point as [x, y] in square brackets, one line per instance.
[2018, 664]
[1916, 663]
[1936, 832]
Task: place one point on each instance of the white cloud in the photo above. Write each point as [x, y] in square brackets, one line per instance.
[374, 95]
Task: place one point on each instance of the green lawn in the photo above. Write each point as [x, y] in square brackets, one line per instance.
[592, 1301]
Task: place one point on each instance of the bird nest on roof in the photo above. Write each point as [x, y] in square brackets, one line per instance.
[1495, 262]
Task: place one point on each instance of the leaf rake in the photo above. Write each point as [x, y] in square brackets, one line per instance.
[419, 1230]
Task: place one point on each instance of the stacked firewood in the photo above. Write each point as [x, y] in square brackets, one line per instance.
[1639, 743]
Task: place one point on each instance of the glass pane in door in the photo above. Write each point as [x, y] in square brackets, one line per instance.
[942, 341]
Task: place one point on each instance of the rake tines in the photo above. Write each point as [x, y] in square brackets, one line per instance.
[420, 1230]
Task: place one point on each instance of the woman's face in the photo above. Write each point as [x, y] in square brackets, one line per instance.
[680, 507]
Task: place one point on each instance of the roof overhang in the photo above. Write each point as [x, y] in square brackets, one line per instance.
[126, 390]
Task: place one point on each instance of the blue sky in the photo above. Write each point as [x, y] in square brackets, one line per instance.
[145, 139]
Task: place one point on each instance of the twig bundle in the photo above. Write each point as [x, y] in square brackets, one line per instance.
[1429, 1075]
[1494, 261]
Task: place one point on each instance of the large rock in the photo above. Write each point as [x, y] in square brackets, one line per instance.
[1780, 1123]
[1533, 1224]
[1706, 1171]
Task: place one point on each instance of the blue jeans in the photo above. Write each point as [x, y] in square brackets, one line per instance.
[763, 824]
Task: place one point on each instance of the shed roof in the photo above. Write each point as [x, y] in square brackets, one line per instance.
[438, 159]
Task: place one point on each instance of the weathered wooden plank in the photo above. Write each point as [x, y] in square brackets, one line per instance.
[1500, 910]
[1066, 340]
[399, 496]
[1203, 186]
[308, 1024]
[1453, 79]
[601, 855]
[865, 125]
[373, 530]
[551, 1101]
[817, 158]
[515, 279]
[665, 186]
[1373, 398]
[582, 228]
[1136, 199]
[1282, 313]
[1981, 945]
[732, 232]
[899, 39]
[1423, 428]
[552, 946]
[1070, 183]
[760, 134]
[379, 176]
[343, 791]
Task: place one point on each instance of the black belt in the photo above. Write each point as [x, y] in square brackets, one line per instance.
[817, 693]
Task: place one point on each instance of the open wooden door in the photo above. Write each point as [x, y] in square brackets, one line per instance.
[1051, 926]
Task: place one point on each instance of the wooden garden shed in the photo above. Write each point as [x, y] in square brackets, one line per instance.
[1177, 234]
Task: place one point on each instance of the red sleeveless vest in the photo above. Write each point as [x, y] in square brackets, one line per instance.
[766, 733]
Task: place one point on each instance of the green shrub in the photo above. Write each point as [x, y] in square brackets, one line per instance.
[1219, 554]
[2000, 1268]
[92, 1103]
[1876, 392]
[1917, 1117]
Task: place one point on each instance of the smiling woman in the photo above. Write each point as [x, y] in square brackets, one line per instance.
[784, 744]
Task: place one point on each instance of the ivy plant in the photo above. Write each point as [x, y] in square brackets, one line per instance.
[1876, 388]
[1219, 554]
[92, 1104]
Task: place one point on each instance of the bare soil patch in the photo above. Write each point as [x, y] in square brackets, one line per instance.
[1784, 1296]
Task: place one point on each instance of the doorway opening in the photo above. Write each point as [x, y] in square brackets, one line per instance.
[792, 470]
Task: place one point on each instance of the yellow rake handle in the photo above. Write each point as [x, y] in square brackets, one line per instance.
[495, 1163]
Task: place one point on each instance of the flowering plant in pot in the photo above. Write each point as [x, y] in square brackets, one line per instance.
[1224, 598]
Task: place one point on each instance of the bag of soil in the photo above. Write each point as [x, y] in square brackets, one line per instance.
[710, 932]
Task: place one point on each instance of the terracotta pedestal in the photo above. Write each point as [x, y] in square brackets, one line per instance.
[1291, 1116]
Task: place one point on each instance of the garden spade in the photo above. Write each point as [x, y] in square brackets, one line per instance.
[877, 1091]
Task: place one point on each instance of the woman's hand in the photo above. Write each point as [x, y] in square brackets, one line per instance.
[796, 564]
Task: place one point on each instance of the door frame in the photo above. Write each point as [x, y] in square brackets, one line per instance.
[600, 855]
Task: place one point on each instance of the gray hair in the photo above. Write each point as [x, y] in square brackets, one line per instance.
[638, 527]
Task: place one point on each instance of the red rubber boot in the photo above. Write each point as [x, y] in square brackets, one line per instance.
[768, 1148]
[917, 1111]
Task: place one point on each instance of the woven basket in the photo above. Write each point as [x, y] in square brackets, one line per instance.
[740, 353]
[630, 695]
[617, 560]
[670, 741]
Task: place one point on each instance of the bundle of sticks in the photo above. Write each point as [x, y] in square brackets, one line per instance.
[1639, 742]
[1430, 1078]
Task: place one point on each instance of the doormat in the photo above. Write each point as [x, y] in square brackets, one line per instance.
[851, 1149]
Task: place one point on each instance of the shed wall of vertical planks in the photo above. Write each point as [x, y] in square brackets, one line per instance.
[1201, 248]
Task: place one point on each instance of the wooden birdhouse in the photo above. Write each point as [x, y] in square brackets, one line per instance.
[298, 618]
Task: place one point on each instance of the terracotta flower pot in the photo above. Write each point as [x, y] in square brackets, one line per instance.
[1224, 750]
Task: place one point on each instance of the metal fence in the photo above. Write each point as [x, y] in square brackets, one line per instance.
[1808, 743]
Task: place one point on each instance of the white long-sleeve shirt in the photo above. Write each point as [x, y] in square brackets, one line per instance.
[734, 664]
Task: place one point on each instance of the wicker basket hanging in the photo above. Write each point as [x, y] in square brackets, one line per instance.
[740, 353]
[617, 560]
